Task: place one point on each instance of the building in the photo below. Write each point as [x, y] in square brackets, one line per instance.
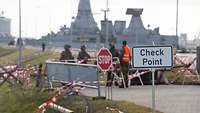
[5, 25]
[182, 41]
[5, 29]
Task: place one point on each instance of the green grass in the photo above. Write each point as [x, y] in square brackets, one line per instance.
[29, 56]
[41, 58]
[15, 100]
[6, 50]
[14, 56]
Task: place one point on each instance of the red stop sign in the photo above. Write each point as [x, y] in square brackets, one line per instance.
[104, 59]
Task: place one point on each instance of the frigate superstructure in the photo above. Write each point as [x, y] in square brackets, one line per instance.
[136, 25]
[136, 34]
[84, 21]
[85, 30]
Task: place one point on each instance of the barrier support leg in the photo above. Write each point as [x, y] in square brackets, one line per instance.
[123, 81]
[140, 80]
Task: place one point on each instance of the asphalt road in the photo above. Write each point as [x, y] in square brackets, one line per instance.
[169, 98]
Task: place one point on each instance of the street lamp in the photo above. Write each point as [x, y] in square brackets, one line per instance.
[20, 38]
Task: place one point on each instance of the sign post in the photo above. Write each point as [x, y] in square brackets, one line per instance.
[153, 91]
[152, 57]
[104, 61]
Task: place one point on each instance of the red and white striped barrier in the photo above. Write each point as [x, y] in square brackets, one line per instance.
[114, 110]
[51, 102]
[7, 68]
[47, 103]
[17, 72]
[186, 60]
[187, 64]
[185, 70]
[60, 108]
[12, 72]
[137, 74]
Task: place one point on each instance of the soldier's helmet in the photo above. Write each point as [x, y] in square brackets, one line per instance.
[124, 42]
[67, 46]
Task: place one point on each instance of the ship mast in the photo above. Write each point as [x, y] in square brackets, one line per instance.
[106, 20]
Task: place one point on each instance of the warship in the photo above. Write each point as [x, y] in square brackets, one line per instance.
[84, 30]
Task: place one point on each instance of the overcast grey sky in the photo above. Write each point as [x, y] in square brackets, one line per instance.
[41, 16]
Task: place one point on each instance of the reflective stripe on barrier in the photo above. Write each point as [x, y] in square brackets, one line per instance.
[60, 108]
[114, 109]
[51, 102]
[47, 103]
[186, 61]
[137, 74]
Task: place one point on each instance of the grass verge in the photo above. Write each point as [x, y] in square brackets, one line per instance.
[16, 100]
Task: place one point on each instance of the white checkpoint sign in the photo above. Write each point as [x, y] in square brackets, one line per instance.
[152, 56]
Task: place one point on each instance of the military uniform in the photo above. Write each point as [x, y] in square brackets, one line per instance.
[83, 55]
[39, 76]
[66, 54]
[110, 76]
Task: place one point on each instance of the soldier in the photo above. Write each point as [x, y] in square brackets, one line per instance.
[39, 76]
[66, 54]
[113, 50]
[115, 54]
[43, 47]
[83, 56]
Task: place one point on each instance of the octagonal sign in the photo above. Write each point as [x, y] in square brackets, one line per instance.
[104, 59]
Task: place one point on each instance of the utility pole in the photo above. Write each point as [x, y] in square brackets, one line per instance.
[20, 38]
[107, 9]
[177, 7]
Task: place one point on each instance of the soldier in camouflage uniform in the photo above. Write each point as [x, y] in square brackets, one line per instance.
[83, 56]
[39, 76]
[115, 54]
[66, 54]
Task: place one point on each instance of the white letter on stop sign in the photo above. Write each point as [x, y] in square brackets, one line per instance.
[104, 59]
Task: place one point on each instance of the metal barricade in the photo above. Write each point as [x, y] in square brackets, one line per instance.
[86, 74]
[116, 72]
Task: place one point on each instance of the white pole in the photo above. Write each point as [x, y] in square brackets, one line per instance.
[177, 7]
[20, 38]
[153, 91]
[106, 24]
